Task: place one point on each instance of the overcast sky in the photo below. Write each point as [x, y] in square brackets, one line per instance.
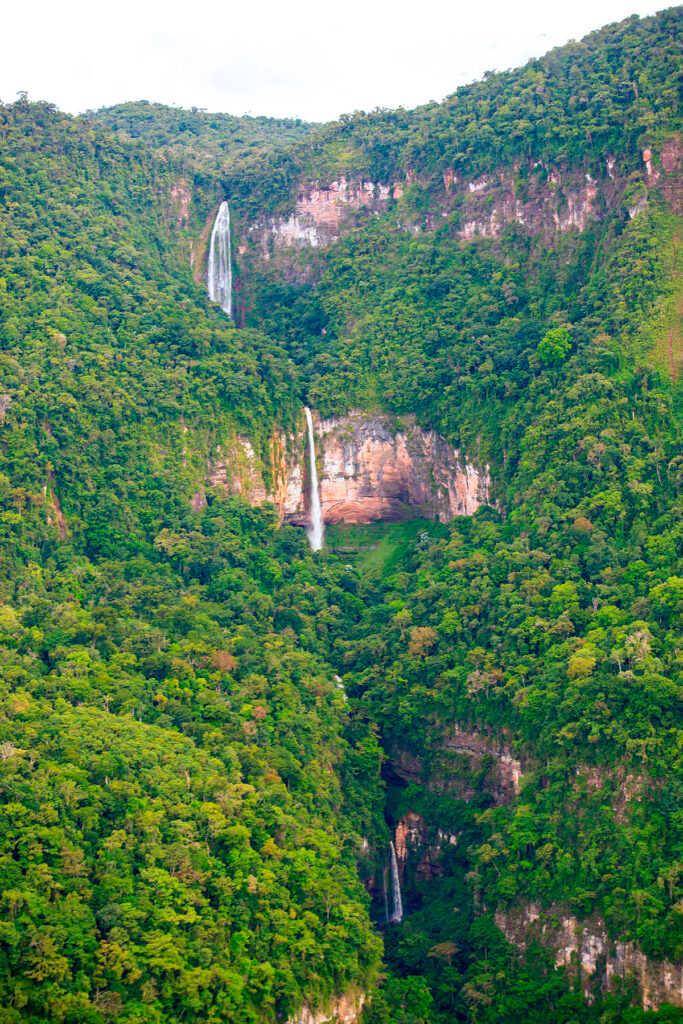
[295, 58]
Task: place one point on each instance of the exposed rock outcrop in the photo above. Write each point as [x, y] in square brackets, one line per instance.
[371, 468]
[587, 951]
[344, 1009]
[412, 838]
[463, 755]
[55, 516]
[320, 211]
[547, 199]
[181, 196]
[547, 203]
[374, 468]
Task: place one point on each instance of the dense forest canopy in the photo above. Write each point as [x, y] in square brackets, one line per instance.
[200, 719]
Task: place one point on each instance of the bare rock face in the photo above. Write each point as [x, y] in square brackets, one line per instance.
[412, 838]
[375, 469]
[344, 1009]
[320, 211]
[548, 199]
[464, 753]
[181, 196]
[587, 951]
[370, 468]
[550, 204]
[237, 470]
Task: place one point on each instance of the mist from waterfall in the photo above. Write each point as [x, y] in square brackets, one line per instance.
[219, 278]
[397, 902]
[316, 528]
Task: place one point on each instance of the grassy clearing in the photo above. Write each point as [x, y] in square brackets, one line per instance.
[378, 547]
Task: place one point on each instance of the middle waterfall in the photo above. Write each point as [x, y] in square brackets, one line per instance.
[316, 527]
[219, 278]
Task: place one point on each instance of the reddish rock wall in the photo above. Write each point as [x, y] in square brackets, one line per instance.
[412, 838]
[370, 468]
[344, 1009]
[181, 196]
[547, 199]
[374, 468]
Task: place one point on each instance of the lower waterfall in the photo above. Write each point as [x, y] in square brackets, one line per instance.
[397, 902]
[316, 528]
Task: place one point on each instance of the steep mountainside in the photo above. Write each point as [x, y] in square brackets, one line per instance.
[210, 734]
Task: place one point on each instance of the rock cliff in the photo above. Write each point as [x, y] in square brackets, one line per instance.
[545, 198]
[587, 951]
[465, 759]
[345, 1009]
[370, 468]
[412, 838]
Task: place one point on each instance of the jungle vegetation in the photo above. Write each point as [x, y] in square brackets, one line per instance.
[185, 786]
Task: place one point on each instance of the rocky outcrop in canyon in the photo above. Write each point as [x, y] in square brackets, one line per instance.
[465, 759]
[345, 1009]
[370, 468]
[585, 949]
[415, 841]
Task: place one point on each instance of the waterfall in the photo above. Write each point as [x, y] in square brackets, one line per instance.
[397, 908]
[316, 528]
[219, 279]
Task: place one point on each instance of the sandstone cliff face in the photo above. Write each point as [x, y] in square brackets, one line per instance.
[320, 211]
[547, 199]
[374, 469]
[586, 950]
[370, 468]
[181, 196]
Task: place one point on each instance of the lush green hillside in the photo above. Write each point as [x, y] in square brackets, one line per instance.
[172, 738]
[191, 802]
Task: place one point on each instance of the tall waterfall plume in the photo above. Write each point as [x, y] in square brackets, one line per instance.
[219, 279]
[397, 902]
[316, 528]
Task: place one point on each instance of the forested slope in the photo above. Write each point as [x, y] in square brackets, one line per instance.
[190, 795]
[175, 839]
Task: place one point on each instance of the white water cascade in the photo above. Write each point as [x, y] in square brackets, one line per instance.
[316, 528]
[397, 902]
[219, 279]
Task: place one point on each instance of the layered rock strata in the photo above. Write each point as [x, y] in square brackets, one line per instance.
[545, 198]
[371, 471]
[413, 838]
[344, 1009]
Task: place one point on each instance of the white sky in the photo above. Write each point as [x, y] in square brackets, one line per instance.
[298, 58]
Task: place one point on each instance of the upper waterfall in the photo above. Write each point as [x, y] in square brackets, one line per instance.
[219, 278]
[316, 527]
